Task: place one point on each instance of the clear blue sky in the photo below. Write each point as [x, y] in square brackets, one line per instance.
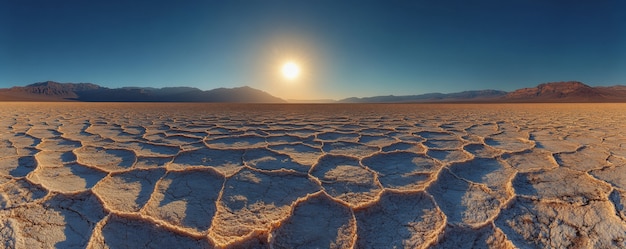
[345, 48]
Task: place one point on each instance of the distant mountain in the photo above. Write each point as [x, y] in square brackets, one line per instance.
[54, 91]
[557, 92]
[570, 91]
[467, 96]
[554, 92]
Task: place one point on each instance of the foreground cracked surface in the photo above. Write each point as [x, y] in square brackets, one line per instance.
[114, 175]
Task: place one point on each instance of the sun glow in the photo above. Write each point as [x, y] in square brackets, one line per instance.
[290, 70]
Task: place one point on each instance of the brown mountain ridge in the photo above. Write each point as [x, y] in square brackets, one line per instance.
[554, 92]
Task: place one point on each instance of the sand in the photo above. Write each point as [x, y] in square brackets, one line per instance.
[163, 175]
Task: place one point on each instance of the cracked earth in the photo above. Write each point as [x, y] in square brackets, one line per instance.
[113, 175]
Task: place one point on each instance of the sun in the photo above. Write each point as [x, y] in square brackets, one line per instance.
[290, 70]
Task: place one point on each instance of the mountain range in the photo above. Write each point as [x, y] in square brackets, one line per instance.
[88, 92]
[570, 91]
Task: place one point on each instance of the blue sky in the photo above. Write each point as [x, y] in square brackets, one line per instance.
[345, 48]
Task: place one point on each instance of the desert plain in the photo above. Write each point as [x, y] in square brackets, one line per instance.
[172, 175]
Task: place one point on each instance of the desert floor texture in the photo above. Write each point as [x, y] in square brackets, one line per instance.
[157, 175]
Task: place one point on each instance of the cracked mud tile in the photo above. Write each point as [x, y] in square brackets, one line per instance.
[63, 221]
[533, 160]
[301, 153]
[443, 144]
[349, 149]
[17, 166]
[449, 156]
[585, 159]
[542, 224]
[20, 192]
[265, 159]
[399, 220]
[483, 130]
[338, 136]
[151, 150]
[343, 178]
[241, 142]
[405, 146]
[491, 172]
[58, 144]
[465, 204]
[105, 159]
[402, 170]
[485, 237]
[317, 222]
[482, 150]
[121, 232]
[561, 185]
[509, 144]
[128, 191]
[227, 162]
[67, 178]
[186, 198]
[254, 202]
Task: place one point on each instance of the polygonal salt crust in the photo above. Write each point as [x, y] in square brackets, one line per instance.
[560, 185]
[179, 140]
[443, 144]
[349, 149]
[253, 202]
[151, 150]
[402, 170]
[399, 220]
[152, 162]
[66, 178]
[24, 141]
[556, 145]
[404, 146]
[227, 162]
[316, 222]
[437, 135]
[345, 179]
[284, 139]
[7, 150]
[241, 142]
[616, 175]
[372, 140]
[300, 153]
[54, 158]
[509, 144]
[465, 204]
[265, 159]
[132, 232]
[449, 156]
[19, 192]
[539, 224]
[491, 172]
[17, 166]
[483, 130]
[618, 199]
[105, 159]
[58, 144]
[42, 132]
[585, 159]
[482, 150]
[338, 136]
[533, 160]
[186, 198]
[462, 237]
[63, 221]
[128, 191]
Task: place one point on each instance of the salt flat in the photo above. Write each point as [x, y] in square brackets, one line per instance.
[161, 175]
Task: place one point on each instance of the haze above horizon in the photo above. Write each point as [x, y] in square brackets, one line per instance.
[342, 49]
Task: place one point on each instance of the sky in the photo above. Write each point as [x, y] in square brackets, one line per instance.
[343, 48]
